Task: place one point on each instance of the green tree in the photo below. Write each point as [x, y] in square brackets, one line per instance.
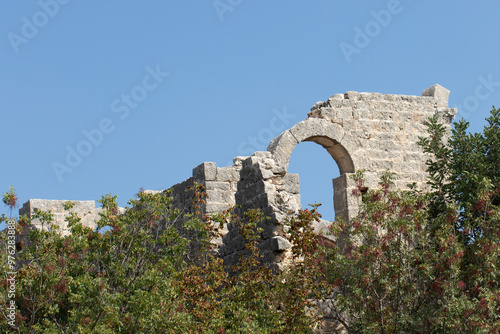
[144, 275]
[425, 263]
[10, 199]
[393, 276]
[465, 173]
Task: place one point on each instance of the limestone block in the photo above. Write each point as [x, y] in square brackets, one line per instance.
[322, 228]
[251, 163]
[280, 244]
[206, 171]
[334, 131]
[411, 99]
[212, 207]
[233, 241]
[344, 113]
[325, 112]
[266, 173]
[350, 143]
[281, 148]
[262, 154]
[215, 196]
[421, 177]
[293, 203]
[439, 93]
[269, 163]
[319, 105]
[372, 180]
[407, 167]
[380, 165]
[310, 127]
[180, 188]
[362, 113]
[220, 186]
[386, 139]
[336, 97]
[365, 125]
[291, 183]
[238, 161]
[281, 217]
[227, 174]
[370, 96]
[278, 169]
[352, 95]
[391, 97]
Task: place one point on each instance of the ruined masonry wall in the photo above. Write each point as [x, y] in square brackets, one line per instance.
[380, 132]
[254, 182]
[86, 210]
[368, 131]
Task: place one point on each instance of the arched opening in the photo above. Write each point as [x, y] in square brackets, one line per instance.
[316, 169]
[331, 137]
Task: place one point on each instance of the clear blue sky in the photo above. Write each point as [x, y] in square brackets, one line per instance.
[239, 72]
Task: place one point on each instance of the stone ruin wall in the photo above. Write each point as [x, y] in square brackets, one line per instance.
[86, 210]
[367, 131]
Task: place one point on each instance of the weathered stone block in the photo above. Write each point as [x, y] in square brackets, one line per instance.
[219, 186]
[439, 93]
[216, 207]
[227, 174]
[266, 173]
[370, 96]
[238, 161]
[206, 171]
[280, 244]
[223, 197]
[291, 183]
[282, 147]
[262, 154]
[352, 95]
[322, 228]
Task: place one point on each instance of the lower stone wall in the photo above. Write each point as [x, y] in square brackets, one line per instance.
[86, 210]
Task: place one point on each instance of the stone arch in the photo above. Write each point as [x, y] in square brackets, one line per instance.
[323, 132]
[330, 136]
